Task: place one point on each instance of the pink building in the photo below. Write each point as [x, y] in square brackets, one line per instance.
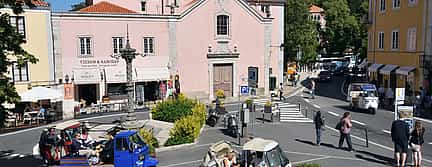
[210, 44]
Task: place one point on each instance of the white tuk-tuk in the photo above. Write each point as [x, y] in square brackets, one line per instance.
[257, 152]
[260, 152]
[363, 96]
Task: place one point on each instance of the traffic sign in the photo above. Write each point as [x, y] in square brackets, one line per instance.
[244, 90]
[400, 94]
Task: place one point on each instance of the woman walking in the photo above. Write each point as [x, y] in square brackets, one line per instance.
[319, 123]
[416, 143]
[345, 130]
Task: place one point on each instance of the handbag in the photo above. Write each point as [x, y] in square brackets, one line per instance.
[415, 147]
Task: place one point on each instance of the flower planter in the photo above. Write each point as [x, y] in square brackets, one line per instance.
[267, 109]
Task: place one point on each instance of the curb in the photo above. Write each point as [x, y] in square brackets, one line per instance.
[177, 147]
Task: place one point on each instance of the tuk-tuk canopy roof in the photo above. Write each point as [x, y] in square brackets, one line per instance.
[221, 146]
[261, 145]
[67, 125]
[126, 133]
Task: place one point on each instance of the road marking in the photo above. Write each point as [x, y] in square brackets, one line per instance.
[301, 95]
[430, 143]
[316, 106]
[357, 122]
[310, 160]
[82, 119]
[332, 113]
[424, 120]
[307, 100]
[183, 163]
[386, 131]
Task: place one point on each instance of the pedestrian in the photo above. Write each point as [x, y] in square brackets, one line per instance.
[422, 97]
[417, 105]
[390, 96]
[416, 143]
[400, 135]
[230, 160]
[76, 145]
[313, 89]
[281, 92]
[345, 131]
[319, 124]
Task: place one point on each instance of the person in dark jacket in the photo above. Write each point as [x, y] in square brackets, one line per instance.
[319, 123]
[416, 143]
[76, 145]
[400, 135]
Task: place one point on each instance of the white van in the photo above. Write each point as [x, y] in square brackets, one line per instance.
[363, 96]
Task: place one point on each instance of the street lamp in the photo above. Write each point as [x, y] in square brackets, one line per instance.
[129, 54]
[267, 68]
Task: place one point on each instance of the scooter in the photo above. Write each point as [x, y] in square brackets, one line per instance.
[213, 117]
[232, 125]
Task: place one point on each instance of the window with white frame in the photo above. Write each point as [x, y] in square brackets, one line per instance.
[117, 44]
[222, 25]
[20, 73]
[18, 23]
[148, 46]
[382, 6]
[412, 38]
[85, 46]
[395, 39]
[380, 40]
[396, 3]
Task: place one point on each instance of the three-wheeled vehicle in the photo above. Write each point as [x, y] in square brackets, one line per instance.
[131, 150]
[363, 96]
[256, 152]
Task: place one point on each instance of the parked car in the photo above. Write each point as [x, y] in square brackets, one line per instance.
[325, 75]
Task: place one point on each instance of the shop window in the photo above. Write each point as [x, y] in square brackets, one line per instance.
[117, 89]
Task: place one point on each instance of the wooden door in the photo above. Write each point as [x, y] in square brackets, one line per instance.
[223, 78]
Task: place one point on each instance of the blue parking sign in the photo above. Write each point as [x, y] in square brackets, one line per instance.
[244, 90]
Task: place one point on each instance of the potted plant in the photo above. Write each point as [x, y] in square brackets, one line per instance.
[249, 104]
[268, 107]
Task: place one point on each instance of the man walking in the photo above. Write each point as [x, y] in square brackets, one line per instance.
[281, 92]
[319, 123]
[400, 137]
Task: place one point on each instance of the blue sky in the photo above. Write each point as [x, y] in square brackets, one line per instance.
[62, 5]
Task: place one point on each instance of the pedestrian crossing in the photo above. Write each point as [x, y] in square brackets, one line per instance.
[10, 155]
[287, 112]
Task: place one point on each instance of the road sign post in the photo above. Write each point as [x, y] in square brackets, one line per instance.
[400, 98]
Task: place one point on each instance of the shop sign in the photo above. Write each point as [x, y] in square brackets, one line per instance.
[400, 94]
[98, 62]
[68, 91]
[87, 75]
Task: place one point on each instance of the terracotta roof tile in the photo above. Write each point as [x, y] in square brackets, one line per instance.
[315, 9]
[106, 7]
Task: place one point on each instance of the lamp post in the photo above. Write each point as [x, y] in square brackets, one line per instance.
[129, 54]
[267, 65]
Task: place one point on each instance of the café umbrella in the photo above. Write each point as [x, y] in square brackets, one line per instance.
[40, 93]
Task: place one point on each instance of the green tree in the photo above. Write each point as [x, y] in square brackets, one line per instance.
[78, 6]
[360, 9]
[300, 31]
[343, 29]
[10, 48]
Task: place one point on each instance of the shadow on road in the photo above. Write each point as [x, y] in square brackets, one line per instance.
[10, 158]
[346, 107]
[371, 157]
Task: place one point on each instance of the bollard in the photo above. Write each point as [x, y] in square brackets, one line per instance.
[367, 140]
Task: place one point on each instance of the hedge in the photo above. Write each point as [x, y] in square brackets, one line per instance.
[173, 109]
[187, 129]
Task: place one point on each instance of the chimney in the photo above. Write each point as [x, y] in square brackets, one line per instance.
[89, 2]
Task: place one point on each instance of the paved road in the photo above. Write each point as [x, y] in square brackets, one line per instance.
[331, 101]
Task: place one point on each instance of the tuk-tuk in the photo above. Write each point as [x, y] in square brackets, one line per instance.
[263, 152]
[131, 150]
[363, 96]
[52, 148]
[257, 152]
[216, 154]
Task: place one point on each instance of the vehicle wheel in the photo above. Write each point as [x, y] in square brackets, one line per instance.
[372, 111]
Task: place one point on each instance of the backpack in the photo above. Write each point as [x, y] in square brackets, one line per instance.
[339, 125]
